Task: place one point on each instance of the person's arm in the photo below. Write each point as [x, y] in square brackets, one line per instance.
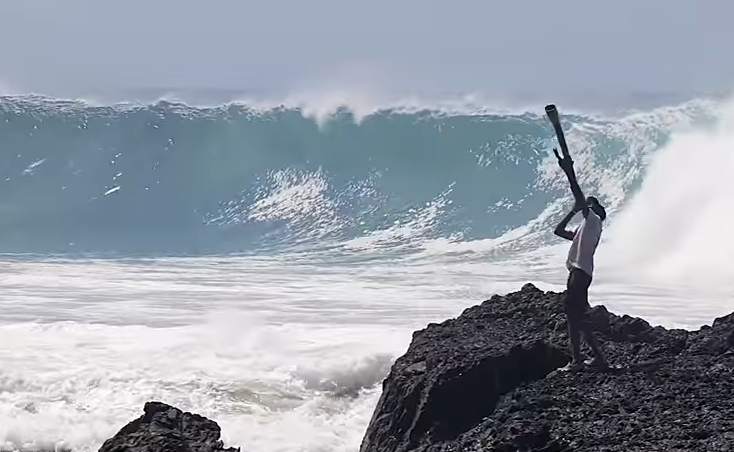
[566, 165]
[561, 230]
[578, 195]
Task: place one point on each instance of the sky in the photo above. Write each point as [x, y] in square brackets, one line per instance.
[497, 48]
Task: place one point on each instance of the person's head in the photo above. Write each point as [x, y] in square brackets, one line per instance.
[594, 205]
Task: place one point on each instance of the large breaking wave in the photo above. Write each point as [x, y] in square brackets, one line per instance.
[169, 178]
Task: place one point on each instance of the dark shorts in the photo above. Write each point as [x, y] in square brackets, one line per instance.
[576, 302]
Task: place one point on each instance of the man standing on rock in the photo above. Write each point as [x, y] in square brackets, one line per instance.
[580, 264]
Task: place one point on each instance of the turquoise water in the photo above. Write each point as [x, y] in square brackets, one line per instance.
[264, 266]
[167, 178]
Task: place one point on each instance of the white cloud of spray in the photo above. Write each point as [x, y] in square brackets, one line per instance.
[677, 227]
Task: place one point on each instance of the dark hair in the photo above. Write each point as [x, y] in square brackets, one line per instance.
[601, 211]
[596, 207]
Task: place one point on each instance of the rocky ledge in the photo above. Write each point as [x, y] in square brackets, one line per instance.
[163, 428]
[487, 381]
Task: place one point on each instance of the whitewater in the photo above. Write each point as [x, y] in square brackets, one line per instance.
[264, 265]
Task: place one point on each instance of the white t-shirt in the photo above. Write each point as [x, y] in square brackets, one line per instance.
[583, 247]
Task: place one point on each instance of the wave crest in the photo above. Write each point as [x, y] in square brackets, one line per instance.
[173, 178]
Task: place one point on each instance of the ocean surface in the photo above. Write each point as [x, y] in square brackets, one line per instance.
[263, 265]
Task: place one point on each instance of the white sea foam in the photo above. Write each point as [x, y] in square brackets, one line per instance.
[299, 343]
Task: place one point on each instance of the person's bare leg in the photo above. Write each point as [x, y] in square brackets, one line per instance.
[574, 336]
[599, 359]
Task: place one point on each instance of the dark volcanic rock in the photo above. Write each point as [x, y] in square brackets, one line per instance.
[167, 429]
[486, 381]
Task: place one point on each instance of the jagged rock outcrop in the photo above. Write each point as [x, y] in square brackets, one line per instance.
[487, 381]
[163, 428]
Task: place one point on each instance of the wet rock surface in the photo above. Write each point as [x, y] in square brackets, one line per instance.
[163, 428]
[487, 381]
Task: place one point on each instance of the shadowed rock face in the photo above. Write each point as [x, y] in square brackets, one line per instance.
[167, 429]
[486, 381]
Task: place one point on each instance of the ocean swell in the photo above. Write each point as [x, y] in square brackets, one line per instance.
[169, 178]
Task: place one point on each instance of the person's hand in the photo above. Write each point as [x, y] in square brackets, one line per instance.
[566, 164]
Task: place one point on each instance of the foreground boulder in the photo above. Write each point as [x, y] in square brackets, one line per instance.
[487, 381]
[163, 428]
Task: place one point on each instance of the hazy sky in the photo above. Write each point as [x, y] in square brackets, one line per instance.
[64, 46]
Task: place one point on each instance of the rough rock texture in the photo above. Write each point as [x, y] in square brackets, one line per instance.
[486, 381]
[167, 429]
